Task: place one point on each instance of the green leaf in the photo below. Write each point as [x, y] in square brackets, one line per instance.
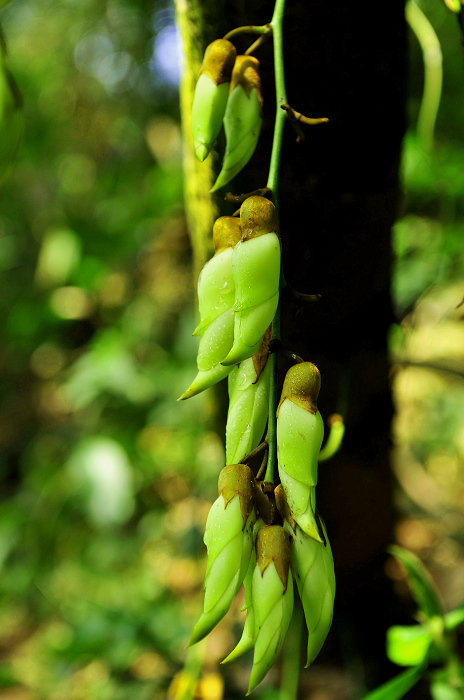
[454, 618]
[422, 586]
[443, 684]
[397, 687]
[440, 690]
[408, 646]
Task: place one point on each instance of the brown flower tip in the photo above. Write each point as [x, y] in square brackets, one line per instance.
[260, 357]
[237, 480]
[301, 386]
[218, 61]
[246, 74]
[283, 507]
[258, 216]
[273, 545]
[227, 232]
[334, 418]
[263, 505]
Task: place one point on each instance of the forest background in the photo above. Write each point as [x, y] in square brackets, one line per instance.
[106, 481]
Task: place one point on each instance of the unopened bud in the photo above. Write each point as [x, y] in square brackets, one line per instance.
[211, 95]
[272, 592]
[242, 119]
[228, 538]
[300, 431]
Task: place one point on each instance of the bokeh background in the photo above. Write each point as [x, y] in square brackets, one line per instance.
[106, 480]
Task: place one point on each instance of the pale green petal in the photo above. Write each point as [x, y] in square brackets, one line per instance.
[308, 523]
[267, 590]
[299, 438]
[242, 125]
[298, 494]
[273, 611]
[222, 525]
[204, 380]
[241, 351]
[248, 410]
[223, 570]
[216, 341]
[208, 110]
[229, 552]
[250, 326]
[241, 378]
[247, 640]
[313, 566]
[210, 619]
[304, 553]
[266, 641]
[216, 288]
[317, 638]
[256, 270]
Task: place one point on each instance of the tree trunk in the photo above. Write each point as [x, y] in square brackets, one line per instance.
[339, 196]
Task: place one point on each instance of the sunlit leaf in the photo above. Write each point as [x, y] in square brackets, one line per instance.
[446, 685]
[408, 646]
[422, 586]
[455, 617]
[440, 690]
[397, 687]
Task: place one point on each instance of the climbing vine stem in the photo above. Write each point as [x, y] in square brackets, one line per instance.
[273, 185]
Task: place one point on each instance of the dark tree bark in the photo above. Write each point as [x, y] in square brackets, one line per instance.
[339, 195]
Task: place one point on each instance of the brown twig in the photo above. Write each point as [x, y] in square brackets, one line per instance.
[239, 198]
[256, 44]
[263, 465]
[435, 366]
[296, 118]
[276, 346]
[253, 453]
[304, 297]
[249, 29]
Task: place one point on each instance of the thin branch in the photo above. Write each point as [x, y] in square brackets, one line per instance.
[295, 118]
[253, 453]
[433, 72]
[249, 29]
[436, 366]
[263, 466]
[239, 198]
[256, 44]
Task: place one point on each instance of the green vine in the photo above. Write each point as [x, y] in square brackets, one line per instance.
[228, 92]
[273, 185]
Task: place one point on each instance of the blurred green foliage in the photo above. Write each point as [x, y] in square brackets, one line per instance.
[95, 279]
[106, 481]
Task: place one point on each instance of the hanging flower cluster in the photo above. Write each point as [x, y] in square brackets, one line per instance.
[238, 291]
[256, 535]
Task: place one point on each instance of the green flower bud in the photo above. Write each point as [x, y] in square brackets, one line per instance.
[228, 538]
[216, 287]
[211, 95]
[300, 431]
[314, 575]
[242, 119]
[215, 342]
[256, 271]
[249, 385]
[272, 595]
[247, 640]
[204, 380]
[216, 294]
